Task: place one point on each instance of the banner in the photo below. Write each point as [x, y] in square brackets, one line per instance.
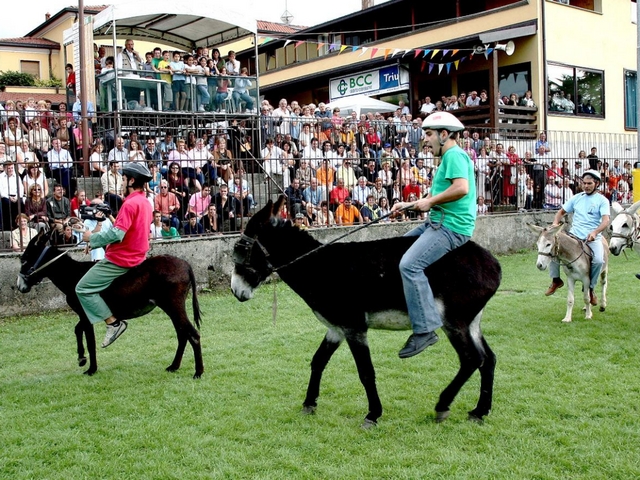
[371, 82]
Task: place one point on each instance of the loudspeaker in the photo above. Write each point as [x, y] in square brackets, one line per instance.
[508, 47]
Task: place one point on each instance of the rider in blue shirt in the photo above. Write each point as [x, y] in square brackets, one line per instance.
[591, 214]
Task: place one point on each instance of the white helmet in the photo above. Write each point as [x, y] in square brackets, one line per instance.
[442, 121]
[592, 173]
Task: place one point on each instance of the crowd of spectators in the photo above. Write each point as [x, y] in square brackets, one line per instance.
[334, 169]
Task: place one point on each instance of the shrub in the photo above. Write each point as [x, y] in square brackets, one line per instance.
[17, 79]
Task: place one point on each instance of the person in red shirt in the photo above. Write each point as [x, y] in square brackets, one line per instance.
[127, 244]
[413, 187]
[338, 195]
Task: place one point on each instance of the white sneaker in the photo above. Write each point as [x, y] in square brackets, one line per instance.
[222, 110]
[114, 330]
[201, 109]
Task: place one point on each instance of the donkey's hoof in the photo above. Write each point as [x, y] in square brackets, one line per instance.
[171, 368]
[475, 418]
[197, 376]
[602, 308]
[82, 361]
[442, 416]
[309, 409]
[89, 372]
[368, 424]
[566, 320]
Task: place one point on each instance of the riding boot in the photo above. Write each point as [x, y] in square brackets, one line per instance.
[556, 283]
[593, 300]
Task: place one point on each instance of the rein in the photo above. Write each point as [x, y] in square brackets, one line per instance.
[37, 267]
[351, 232]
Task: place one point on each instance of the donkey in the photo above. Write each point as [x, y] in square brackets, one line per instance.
[463, 282]
[624, 228]
[162, 281]
[575, 257]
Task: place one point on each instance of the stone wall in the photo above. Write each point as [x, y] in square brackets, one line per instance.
[211, 257]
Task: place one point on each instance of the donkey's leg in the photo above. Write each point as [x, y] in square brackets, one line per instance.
[604, 279]
[79, 331]
[329, 345]
[174, 307]
[588, 314]
[571, 282]
[90, 336]
[487, 372]
[362, 355]
[471, 356]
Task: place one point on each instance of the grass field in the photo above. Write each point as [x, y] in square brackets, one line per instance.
[566, 402]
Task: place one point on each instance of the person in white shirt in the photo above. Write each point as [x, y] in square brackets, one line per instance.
[282, 116]
[313, 154]
[11, 194]
[60, 164]
[427, 106]
[272, 161]
[118, 153]
[201, 157]
[473, 100]
[233, 65]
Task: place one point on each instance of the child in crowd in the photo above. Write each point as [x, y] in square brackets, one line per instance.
[178, 83]
[167, 230]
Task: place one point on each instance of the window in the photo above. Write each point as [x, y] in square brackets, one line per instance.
[327, 41]
[31, 67]
[514, 79]
[575, 91]
[630, 100]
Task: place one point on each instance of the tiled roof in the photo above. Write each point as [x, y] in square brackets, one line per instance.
[54, 97]
[264, 27]
[29, 42]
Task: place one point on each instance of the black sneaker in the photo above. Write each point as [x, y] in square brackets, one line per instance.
[417, 343]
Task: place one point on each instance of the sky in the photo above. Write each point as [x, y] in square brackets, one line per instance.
[17, 20]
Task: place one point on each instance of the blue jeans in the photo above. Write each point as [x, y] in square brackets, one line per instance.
[218, 100]
[242, 97]
[597, 262]
[431, 245]
[203, 95]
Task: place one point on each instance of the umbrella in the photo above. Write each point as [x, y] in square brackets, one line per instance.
[361, 104]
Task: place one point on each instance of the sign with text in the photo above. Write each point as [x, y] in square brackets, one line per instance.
[370, 82]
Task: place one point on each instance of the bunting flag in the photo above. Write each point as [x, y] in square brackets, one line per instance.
[392, 52]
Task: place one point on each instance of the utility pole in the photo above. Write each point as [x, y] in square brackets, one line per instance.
[84, 124]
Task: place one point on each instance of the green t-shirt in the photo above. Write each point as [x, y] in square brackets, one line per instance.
[460, 215]
[172, 233]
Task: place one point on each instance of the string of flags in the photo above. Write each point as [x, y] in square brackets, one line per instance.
[425, 53]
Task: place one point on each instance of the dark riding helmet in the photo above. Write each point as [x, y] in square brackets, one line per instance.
[137, 170]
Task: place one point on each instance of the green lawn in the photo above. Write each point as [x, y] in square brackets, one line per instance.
[566, 402]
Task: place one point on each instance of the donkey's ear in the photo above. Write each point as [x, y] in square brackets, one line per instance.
[555, 230]
[633, 208]
[616, 208]
[535, 228]
[278, 205]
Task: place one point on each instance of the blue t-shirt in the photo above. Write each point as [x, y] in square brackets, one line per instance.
[178, 66]
[587, 212]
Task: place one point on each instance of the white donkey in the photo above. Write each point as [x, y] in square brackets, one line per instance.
[624, 228]
[575, 257]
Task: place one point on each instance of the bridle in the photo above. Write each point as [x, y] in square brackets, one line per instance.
[37, 267]
[632, 237]
[556, 249]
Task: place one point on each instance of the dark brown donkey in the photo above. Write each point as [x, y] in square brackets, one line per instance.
[163, 281]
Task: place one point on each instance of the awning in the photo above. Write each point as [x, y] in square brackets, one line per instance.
[180, 24]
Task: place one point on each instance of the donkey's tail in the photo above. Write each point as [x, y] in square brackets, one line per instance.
[197, 313]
